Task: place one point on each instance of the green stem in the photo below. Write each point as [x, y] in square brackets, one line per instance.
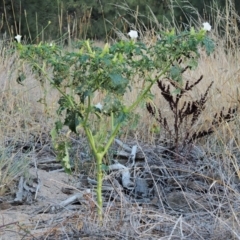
[88, 111]
[99, 158]
[111, 139]
[90, 139]
[112, 121]
[144, 93]
[41, 31]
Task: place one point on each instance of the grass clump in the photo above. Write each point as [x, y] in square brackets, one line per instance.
[12, 166]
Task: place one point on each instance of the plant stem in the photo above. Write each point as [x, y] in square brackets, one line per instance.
[141, 96]
[99, 158]
[88, 111]
[90, 139]
[111, 139]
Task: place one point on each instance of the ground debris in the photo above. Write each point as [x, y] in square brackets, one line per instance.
[167, 199]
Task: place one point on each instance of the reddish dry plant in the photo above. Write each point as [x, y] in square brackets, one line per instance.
[185, 115]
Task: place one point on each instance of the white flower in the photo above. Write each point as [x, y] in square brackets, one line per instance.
[18, 38]
[133, 34]
[207, 26]
[99, 106]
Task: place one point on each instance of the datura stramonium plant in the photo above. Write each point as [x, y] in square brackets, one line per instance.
[113, 71]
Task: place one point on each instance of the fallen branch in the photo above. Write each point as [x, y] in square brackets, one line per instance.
[126, 182]
[19, 194]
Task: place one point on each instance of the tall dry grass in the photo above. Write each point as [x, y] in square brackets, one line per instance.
[24, 120]
[23, 114]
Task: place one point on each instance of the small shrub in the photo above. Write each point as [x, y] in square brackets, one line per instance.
[112, 71]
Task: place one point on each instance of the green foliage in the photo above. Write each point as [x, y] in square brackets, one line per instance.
[112, 71]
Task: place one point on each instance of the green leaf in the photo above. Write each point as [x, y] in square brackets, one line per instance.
[53, 133]
[72, 120]
[58, 125]
[120, 118]
[209, 45]
[193, 63]
[118, 82]
[105, 167]
[134, 121]
[176, 73]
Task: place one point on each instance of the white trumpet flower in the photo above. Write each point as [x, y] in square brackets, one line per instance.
[133, 34]
[18, 38]
[99, 106]
[207, 26]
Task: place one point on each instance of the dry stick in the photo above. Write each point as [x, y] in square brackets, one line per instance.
[42, 34]
[5, 225]
[14, 18]
[127, 183]
[25, 13]
[76, 26]
[132, 156]
[19, 194]
[38, 179]
[37, 29]
[174, 227]
[5, 13]
[136, 16]
[154, 182]
[27, 232]
[20, 17]
[123, 145]
[60, 20]
[85, 193]
[73, 28]
[88, 22]
[71, 199]
[1, 25]
[69, 30]
[104, 21]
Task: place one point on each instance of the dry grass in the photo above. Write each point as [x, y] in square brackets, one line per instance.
[213, 215]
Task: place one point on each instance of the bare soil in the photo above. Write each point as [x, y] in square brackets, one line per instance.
[172, 199]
